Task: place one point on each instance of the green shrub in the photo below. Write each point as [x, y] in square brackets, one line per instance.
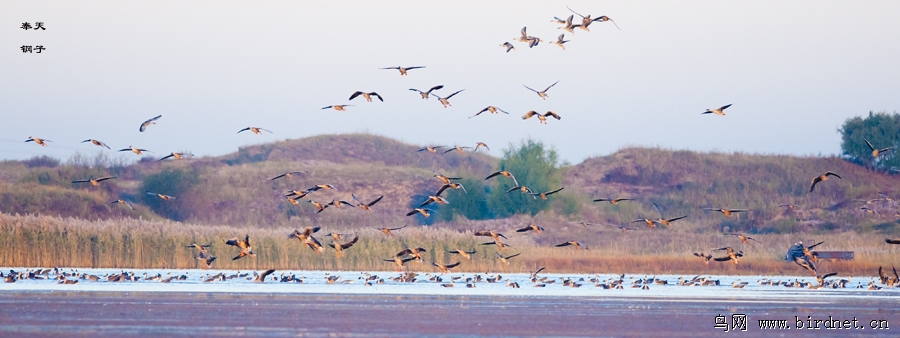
[881, 129]
[535, 166]
[177, 182]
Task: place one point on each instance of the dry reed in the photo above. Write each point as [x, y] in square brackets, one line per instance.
[42, 241]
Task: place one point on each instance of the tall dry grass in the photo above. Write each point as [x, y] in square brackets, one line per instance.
[40, 241]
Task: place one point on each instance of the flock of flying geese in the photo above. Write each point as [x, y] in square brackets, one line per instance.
[798, 253]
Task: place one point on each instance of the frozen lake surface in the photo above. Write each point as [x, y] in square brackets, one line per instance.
[315, 282]
[239, 307]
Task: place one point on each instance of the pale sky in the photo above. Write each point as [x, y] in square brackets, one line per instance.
[793, 70]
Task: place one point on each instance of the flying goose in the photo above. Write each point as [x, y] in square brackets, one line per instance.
[262, 276]
[500, 245]
[415, 253]
[445, 100]
[403, 69]
[288, 174]
[560, 41]
[481, 144]
[399, 261]
[727, 212]
[94, 182]
[809, 254]
[543, 94]
[306, 237]
[717, 111]
[604, 18]
[532, 227]
[363, 205]
[434, 199]
[882, 275]
[732, 255]
[164, 197]
[665, 221]
[425, 95]
[314, 245]
[796, 253]
[650, 223]
[524, 38]
[319, 206]
[177, 156]
[541, 118]
[821, 278]
[508, 46]
[96, 143]
[876, 151]
[255, 130]
[505, 260]
[522, 188]
[567, 25]
[704, 256]
[490, 233]
[430, 149]
[338, 107]
[544, 195]
[423, 211]
[576, 244]
[625, 228]
[36, 140]
[453, 185]
[148, 123]
[203, 255]
[530, 40]
[335, 236]
[318, 187]
[444, 178]
[559, 21]
[339, 203]
[820, 178]
[586, 20]
[466, 254]
[137, 151]
[457, 148]
[389, 231]
[367, 96]
[612, 201]
[339, 248]
[445, 268]
[123, 202]
[503, 173]
[744, 238]
[294, 196]
[243, 244]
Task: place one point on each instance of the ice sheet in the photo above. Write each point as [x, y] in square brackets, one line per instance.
[315, 283]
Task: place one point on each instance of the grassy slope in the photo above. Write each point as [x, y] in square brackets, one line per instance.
[681, 182]
[234, 189]
[234, 192]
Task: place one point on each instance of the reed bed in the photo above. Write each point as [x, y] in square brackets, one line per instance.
[43, 241]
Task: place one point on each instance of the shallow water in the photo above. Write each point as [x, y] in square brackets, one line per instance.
[83, 314]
